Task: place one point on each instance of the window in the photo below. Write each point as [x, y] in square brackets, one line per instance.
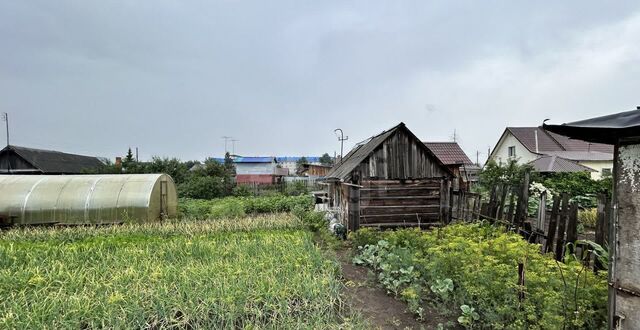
[512, 151]
[606, 172]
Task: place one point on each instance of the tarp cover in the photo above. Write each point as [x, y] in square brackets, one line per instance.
[606, 129]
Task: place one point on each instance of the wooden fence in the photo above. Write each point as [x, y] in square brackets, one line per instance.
[261, 189]
[554, 227]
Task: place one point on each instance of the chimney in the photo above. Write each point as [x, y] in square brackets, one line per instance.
[535, 134]
[118, 162]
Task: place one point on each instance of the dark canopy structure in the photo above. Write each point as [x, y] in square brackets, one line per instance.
[622, 130]
[609, 129]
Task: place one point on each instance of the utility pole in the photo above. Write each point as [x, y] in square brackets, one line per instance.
[226, 138]
[233, 146]
[5, 118]
[341, 138]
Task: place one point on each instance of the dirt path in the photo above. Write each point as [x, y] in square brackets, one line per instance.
[381, 310]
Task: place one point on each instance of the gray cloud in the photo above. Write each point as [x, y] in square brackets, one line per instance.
[173, 77]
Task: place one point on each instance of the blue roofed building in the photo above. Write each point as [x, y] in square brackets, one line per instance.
[290, 162]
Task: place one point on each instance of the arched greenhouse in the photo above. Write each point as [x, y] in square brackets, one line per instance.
[86, 199]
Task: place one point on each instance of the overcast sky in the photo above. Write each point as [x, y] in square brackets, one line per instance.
[173, 77]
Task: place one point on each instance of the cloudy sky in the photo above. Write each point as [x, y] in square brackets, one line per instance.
[173, 77]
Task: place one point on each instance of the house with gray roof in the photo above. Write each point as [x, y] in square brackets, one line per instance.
[551, 152]
[23, 160]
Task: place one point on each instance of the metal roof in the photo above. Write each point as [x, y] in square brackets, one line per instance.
[548, 163]
[343, 169]
[54, 162]
[449, 153]
[311, 159]
[605, 129]
[549, 142]
[582, 155]
[254, 159]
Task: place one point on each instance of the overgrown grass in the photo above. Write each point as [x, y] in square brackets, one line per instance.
[237, 207]
[476, 266]
[262, 272]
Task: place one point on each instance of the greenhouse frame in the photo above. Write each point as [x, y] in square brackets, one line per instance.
[86, 199]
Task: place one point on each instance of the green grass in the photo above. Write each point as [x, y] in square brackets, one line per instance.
[262, 272]
[238, 207]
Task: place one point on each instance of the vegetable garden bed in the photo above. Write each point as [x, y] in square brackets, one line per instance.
[472, 269]
[241, 273]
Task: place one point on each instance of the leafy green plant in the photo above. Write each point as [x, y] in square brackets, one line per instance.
[468, 317]
[588, 217]
[239, 206]
[482, 261]
[443, 288]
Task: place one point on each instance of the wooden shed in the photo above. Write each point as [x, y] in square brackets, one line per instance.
[390, 180]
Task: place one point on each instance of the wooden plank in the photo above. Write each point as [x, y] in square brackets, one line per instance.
[389, 210]
[564, 214]
[367, 193]
[399, 201]
[354, 208]
[553, 223]
[572, 226]
[403, 183]
[412, 217]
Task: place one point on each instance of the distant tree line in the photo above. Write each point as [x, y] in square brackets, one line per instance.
[193, 179]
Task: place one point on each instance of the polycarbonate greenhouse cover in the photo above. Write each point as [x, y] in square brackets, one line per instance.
[86, 199]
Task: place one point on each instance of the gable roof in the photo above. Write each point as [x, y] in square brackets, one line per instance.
[548, 163]
[449, 153]
[605, 129]
[549, 142]
[50, 161]
[364, 149]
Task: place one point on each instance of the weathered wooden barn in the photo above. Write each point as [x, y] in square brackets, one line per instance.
[390, 180]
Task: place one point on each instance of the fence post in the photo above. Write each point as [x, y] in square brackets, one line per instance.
[524, 206]
[521, 294]
[572, 227]
[503, 196]
[512, 202]
[553, 223]
[561, 226]
[354, 208]
[602, 227]
[491, 209]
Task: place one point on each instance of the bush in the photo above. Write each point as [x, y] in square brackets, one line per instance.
[482, 263]
[239, 206]
[588, 217]
[296, 188]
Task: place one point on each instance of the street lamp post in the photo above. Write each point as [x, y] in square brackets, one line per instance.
[341, 138]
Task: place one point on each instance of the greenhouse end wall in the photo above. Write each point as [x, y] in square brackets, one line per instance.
[86, 199]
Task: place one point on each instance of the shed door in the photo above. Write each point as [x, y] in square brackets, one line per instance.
[163, 199]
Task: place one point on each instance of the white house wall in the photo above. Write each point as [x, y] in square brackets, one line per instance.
[255, 168]
[501, 153]
[598, 166]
